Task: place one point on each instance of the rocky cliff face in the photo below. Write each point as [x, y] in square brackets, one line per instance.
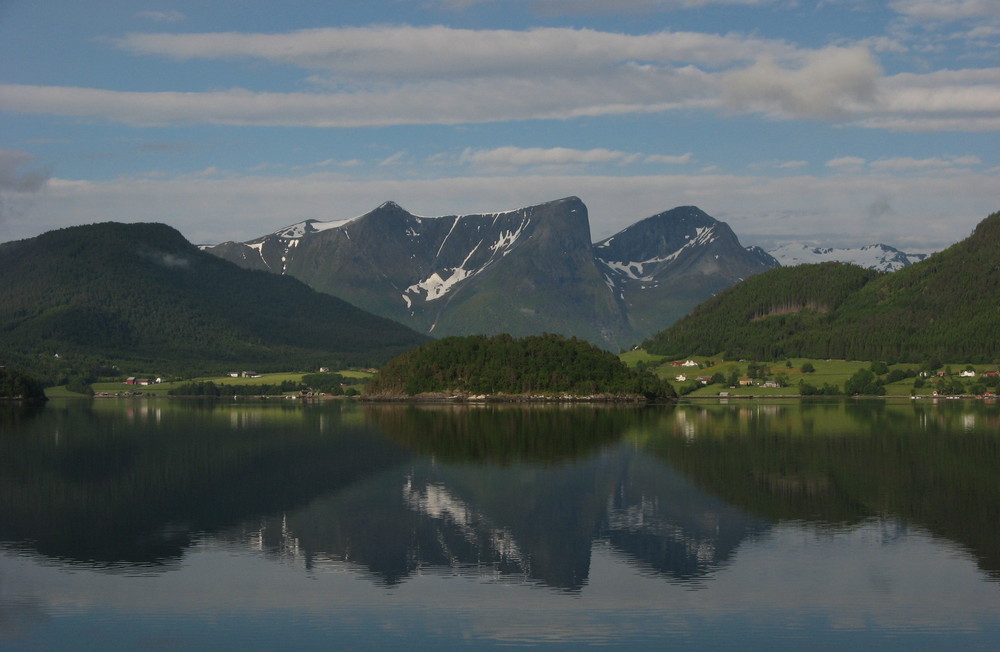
[521, 272]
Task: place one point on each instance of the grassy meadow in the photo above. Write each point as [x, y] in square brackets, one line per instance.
[161, 389]
[832, 372]
[790, 372]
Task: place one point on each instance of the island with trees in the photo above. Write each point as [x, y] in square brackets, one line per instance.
[503, 368]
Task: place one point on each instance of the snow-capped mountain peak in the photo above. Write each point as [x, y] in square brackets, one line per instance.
[880, 257]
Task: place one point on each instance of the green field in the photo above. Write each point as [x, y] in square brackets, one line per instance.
[161, 389]
[832, 372]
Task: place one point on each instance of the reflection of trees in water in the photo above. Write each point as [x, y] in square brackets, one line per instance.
[127, 484]
[499, 493]
[504, 434]
[935, 465]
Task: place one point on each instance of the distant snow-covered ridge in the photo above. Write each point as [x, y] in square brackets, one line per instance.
[879, 256]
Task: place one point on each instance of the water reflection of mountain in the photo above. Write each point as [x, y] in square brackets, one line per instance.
[498, 493]
[667, 525]
[491, 514]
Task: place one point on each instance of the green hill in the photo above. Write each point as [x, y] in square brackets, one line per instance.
[534, 365]
[946, 307]
[141, 297]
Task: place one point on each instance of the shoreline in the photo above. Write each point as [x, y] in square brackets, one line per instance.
[449, 397]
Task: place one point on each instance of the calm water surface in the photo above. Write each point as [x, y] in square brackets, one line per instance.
[165, 524]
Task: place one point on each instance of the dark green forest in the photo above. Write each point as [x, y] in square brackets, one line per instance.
[946, 307]
[16, 385]
[540, 364]
[138, 298]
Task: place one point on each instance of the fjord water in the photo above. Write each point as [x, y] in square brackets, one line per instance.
[155, 523]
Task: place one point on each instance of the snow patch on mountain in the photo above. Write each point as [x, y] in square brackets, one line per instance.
[635, 270]
[259, 248]
[301, 229]
[508, 238]
[437, 286]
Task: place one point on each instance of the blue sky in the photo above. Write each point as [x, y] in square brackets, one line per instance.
[842, 122]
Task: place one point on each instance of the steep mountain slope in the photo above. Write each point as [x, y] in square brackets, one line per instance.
[946, 307]
[141, 294]
[521, 272]
[879, 257]
[665, 265]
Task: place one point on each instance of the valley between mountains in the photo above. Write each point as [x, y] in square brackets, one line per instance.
[521, 272]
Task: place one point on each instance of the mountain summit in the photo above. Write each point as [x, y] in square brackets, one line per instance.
[664, 265]
[522, 272]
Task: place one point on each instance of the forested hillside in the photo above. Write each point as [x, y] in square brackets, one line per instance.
[540, 364]
[946, 307]
[142, 298]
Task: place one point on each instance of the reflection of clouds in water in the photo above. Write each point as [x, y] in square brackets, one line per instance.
[878, 573]
[872, 577]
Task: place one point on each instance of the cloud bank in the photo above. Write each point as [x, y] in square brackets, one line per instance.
[385, 76]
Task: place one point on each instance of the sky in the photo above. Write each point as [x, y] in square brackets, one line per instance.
[837, 123]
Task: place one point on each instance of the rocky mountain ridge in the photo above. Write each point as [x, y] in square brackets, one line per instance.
[522, 272]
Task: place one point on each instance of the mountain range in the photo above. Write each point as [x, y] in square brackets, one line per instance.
[880, 257]
[943, 308]
[142, 297]
[521, 272]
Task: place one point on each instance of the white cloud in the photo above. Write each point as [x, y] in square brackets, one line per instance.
[382, 76]
[402, 52]
[162, 16]
[394, 159]
[334, 162]
[440, 102]
[947, 10]
[515, 157]
[668, 159]
[846, 162]
[904, 163]
[959, 100]
[831, 83]
[778, 165]
[604, 6]
[791, 165]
